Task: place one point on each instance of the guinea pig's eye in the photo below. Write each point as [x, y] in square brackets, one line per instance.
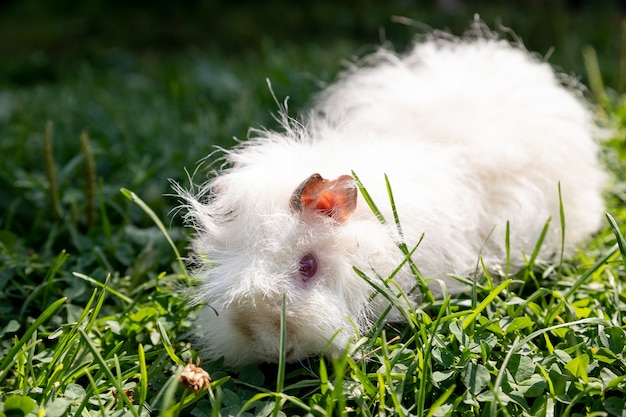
[307, 266]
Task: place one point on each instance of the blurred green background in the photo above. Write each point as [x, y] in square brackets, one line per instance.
[44, 40]
[155, 85]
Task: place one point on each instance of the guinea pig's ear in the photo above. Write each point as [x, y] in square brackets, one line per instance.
[333, 198]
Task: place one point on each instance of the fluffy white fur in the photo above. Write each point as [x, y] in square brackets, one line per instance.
[472, 132]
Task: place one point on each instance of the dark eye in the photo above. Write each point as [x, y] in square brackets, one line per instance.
[307, 266]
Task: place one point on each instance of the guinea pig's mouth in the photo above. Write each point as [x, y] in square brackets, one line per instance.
[247, 322]
[275, 356]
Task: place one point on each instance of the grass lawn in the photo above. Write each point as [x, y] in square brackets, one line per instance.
[100, 107]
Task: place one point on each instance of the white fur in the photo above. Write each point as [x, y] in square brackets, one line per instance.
[472, 132]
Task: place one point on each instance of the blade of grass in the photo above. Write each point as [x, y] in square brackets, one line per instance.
[426, 370]
[143, 375]
[562, 219]
[500, 377]
[66, 346]
[368, 199]
[104, 218]
[621, 81]
[47, 283]
[405, 249]
[441, 400]
[323, 375]
[93, 387]
[283, 398]
[104, 367]
[554, 311]
[51, 171]
[537, 249]
[338, 398]
[167, 395]
[621, 242]
[595, 75]
[30, 348]
[104, 286]
[168, 345]
[10, 357]
[282, 357]
[507, 247]
[90, 179]
[385, 292]
[133, 197]
[488, 299]
[381, 393]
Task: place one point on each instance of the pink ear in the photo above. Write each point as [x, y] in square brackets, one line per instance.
[335, 199]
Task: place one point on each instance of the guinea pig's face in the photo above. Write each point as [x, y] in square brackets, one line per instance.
[303, 257]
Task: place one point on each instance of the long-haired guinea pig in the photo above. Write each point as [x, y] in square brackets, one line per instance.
[476, 136]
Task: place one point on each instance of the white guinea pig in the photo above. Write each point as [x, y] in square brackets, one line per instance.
[472, 132]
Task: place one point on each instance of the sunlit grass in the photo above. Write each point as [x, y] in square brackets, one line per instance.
[93, 322]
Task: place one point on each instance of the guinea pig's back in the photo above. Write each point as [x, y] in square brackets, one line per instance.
[494, 133]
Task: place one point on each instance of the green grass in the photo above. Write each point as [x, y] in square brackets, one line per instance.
[92, 320]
